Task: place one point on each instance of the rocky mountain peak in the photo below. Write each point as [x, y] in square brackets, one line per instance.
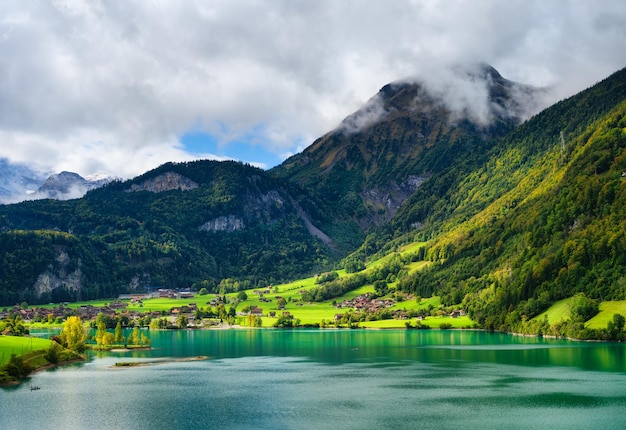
[167, 181]
[65, 186]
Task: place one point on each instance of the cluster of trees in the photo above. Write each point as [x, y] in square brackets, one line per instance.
[332, 286]
[287, 321]
[574, 328]
[15, 368]
[14, 324]
[105, 339]
[73, 335]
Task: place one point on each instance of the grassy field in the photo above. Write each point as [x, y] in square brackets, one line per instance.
[20, 345]
[74, 305]
[607, 310]
[417, 265]
[165, 304]
[432, 322]
[410, 305]
[560, 310]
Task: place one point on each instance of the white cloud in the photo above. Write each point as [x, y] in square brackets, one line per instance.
[91, 86]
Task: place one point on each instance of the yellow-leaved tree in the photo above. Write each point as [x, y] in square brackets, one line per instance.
[73, 334]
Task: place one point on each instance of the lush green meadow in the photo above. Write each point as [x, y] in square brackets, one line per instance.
[431, 322]
[559, 311]
[308, 313]
[607, 310]
[20, 345]
[75, 305]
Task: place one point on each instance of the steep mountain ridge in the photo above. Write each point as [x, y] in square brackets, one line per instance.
[378, 156]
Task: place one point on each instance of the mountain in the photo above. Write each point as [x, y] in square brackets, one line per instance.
[511, 209]
[65, 186]
[539, 221]
[411, 130]
[17, 181]
[220, 225]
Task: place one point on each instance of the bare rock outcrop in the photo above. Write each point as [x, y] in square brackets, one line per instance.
[228, 223]
[166, 182]
[58, 276]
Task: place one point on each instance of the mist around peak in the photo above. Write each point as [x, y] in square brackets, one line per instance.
[476, 92]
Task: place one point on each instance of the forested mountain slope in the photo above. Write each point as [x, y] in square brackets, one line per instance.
[541, 220]
[177, 226]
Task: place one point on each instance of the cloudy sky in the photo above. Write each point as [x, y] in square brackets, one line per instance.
[121, 86]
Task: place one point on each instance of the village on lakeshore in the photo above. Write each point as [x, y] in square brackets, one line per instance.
[182, 308]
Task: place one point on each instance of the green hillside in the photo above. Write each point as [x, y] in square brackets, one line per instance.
[541, 221]
[179, 226]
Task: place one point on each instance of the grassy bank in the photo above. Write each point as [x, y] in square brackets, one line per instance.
[20, 356]
[20, 345]
[562, 311]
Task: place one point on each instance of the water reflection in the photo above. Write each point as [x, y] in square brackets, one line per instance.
[353, 346]
[335, 379]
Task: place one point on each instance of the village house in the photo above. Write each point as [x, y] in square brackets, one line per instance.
[255, 310]
[365, 304]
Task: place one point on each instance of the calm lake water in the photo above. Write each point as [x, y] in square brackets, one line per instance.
[332, 379]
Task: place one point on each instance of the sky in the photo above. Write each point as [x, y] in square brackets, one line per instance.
[118, 87]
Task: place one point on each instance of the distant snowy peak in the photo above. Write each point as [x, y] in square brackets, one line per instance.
[19, 182]
[66, 186]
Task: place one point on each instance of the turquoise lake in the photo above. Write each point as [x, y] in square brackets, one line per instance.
[332, 379]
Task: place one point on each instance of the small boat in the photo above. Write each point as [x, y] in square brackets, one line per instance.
[34, 388]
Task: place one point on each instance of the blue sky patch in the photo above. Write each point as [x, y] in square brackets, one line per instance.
[248, 148]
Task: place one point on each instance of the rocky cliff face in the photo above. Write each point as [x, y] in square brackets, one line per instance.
[165, 182]
[224, 223]
[385, 200]
[59, 275]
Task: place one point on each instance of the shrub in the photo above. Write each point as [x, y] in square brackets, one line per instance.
[16, 367]
[52, 355]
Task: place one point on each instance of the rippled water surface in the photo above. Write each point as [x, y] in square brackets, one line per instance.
[332, 379]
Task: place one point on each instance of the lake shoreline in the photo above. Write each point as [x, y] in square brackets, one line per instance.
[49, 366]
